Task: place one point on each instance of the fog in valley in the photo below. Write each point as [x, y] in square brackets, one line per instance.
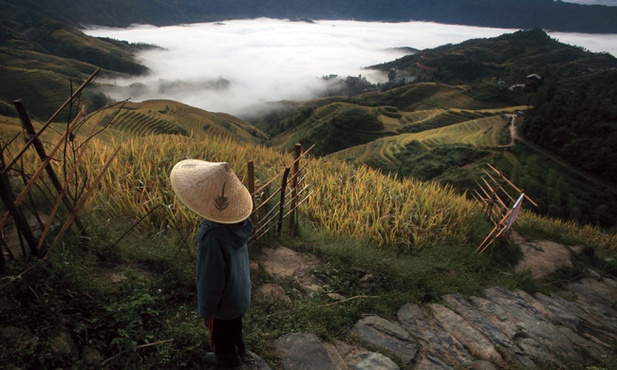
[237, 66]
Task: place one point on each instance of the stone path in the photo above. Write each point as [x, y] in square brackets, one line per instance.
[497, 329]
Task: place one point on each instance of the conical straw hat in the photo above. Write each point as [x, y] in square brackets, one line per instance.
[212, 190]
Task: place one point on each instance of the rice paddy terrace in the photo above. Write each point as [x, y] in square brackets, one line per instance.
[168, 117]
[379, 124]
[377, 127]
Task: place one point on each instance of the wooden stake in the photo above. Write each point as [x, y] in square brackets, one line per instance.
[500, 187]
[40, 149]
[282, 202]
[42, 167]
[511, 184]
[294, 186]
[82, 201]
[53, 117]
[20, 221]
[250, 174]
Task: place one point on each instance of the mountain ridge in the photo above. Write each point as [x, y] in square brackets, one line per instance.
[547, 14]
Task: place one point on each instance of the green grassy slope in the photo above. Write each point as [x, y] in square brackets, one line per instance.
[39, 64]
[155, 117]
[347, 122]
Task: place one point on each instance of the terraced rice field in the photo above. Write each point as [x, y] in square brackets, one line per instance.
[437, 118]
[481, 133]
[141, 124]
[326, 110]
[426, 96]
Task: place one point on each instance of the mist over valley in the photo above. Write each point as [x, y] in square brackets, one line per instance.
[237, 66]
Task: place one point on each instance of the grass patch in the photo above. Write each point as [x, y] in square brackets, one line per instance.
[132, 303]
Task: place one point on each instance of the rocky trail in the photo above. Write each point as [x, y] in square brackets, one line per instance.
[498, 329]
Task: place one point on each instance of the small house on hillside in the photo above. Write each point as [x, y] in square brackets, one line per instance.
[533, 80]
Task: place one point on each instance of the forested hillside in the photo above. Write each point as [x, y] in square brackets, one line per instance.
[577, 120]
[455, 116]
[548, 14]
[572, 91]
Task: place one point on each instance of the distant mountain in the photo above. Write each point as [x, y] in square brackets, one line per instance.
[519, 14]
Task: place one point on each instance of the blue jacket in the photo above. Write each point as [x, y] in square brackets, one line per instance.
[223, 270]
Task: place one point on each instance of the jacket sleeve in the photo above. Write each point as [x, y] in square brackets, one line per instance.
[211, 269]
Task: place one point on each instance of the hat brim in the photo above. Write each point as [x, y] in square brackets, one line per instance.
[212, 190]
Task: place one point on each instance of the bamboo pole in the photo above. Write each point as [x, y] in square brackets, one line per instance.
[20, 221]
[250, 174]
[282, 201]
[512, 185]
[40, 149]
[494, 234]
[500, 187]
[294, 185]
[53, 117]
[81, 202]
[42, 167]
[495, 194]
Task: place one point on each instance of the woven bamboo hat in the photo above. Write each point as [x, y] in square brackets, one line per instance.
[212, 190]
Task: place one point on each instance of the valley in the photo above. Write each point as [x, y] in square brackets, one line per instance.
[382, 249]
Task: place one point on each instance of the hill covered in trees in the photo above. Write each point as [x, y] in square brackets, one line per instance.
[456, 114]
[548, 14]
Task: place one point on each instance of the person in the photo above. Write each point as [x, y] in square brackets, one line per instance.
[213, 191]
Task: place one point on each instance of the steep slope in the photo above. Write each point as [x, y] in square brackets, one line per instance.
[41, 63]
[166, 117]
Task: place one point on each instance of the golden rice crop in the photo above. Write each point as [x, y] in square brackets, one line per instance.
[346, 201]
[393, 213]
[567, 231]
[139, 180]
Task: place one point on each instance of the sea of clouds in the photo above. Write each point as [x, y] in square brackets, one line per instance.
[236, 66]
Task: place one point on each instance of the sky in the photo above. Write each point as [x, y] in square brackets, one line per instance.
[268, 60]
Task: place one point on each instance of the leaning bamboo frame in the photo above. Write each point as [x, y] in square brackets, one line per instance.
[46, 159]
[292, 176]
[33, 179]
[493, 205]
[68, 101]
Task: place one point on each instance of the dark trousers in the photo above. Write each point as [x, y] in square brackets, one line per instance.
[225, 336]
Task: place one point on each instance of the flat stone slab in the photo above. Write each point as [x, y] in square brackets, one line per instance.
[388, 335]
[303, 351]
[501, 328]
[504, 327]
[436, 342]
[476, 342]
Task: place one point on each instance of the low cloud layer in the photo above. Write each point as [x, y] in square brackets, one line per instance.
[593, 2]
[235, 66]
